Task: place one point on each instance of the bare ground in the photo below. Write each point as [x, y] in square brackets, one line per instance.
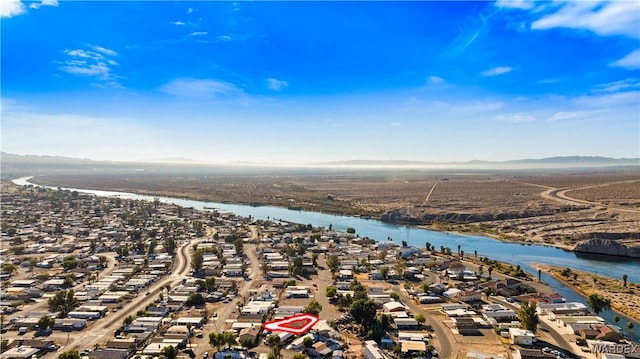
[555, 208]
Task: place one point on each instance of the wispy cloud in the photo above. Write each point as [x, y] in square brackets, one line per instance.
[95, 62]
[516, 118]
[36, 5]
[558, 116]
[201, 88]
[500, 70]
[199, 33]
[435, 80]
[224, 38]
[514, 4]
[177, 23]
[395, 124]
[9, 8]
[618, 85]
[602, 18]
[275, 84]
[631, 61]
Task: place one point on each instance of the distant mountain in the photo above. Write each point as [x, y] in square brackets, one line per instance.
[560, 161]
[33, 163]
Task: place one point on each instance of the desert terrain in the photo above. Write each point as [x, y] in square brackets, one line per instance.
[553, 207]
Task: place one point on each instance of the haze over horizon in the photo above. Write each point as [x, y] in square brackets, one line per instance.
[308, 82]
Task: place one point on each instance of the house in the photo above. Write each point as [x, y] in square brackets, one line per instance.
[406, 323]
[373, 351]
[248, 334]
[393, 306]
[465, 325]
[469, 296]
[321, 349]
[521, 336]
[412, 347]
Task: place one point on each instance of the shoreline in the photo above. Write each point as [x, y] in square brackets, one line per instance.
[365, 215]
[618, 300]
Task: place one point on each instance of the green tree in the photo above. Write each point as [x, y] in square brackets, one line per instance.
[528, 316]
[9, 268]
[216, 341]
[197, 259]
[308, 342]
[3, 345]
[598, 303]
[351, 230]
[314, 307]
[624, 279]
[299, 356]
[45, 322]
[394, 296]
[63, 301]
[69, 354]
[331, 291]
[400, 267]
[364, 312]
[195, 299]
[169, 352]
[420, 318]
[128, 320]
[276, 345]
[170, 245]
[384, 272]
[333, 262]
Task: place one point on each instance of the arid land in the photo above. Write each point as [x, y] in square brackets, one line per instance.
[553, 207]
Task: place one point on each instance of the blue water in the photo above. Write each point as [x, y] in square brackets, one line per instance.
[514, 253]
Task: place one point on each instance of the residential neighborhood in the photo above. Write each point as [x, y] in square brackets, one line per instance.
[113, 278]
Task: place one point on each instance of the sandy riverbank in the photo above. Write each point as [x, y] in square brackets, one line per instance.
[625, 300]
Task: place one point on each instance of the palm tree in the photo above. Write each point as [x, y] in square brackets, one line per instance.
[490, 269]
[624, 279]
[458, 250]
[630, 326]
[275, 345]
[598, 303]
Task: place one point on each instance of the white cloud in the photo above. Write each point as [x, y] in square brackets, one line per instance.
[612, 100]
[558, 116]
[516, 118]
[618, 85]
[500, 70]
[189, 10]
[603, 18]
[94, 62]
[36, 5]
[275, 84]
[631, 61]
[224, 38]
[199, 33]
[9, 8]
[395, 124]
[435, 80]
[514, 4]
[105, 51]
[202, 88]
[177, 23]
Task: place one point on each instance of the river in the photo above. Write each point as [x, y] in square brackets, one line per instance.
[514, 253]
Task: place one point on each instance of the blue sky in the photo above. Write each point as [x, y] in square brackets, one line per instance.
[303, 82]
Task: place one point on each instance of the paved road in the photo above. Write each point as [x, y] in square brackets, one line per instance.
[443, 336]
[225, 311]
[100, 331]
